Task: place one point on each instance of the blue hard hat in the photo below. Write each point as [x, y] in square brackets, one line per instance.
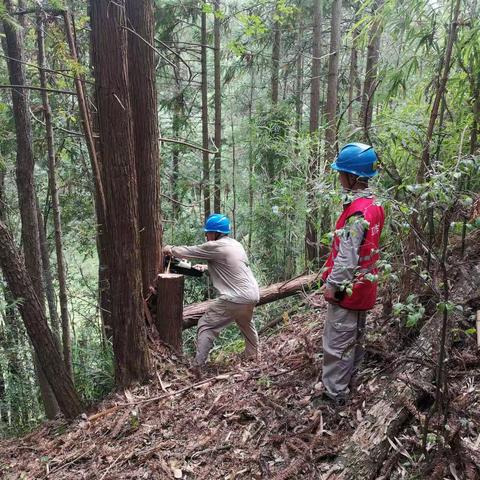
[217, 223]
[357, 158]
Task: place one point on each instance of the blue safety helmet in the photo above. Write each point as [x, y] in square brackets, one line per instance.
[217, 223]
[357, 158]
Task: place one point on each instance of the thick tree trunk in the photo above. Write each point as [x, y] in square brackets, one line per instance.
[365, 452]
[37, 327]
[370, 81]
[61, 271]
[250, 164]
[25, 180]
[218, 108]
[442, 84]
[192, 313]
[169, 318]
[205, 157]
[311, 243]
[332, 86]
[141, 78]
[109, 39]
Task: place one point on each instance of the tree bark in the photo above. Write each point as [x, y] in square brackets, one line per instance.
[109, 40]
[33, 315]
[61, 271]
[25, 181]
[299, 79]
[98, 192]
[206, 161]
[365, 452]
[192, 313]
[332, 86]
[276, 46]
[370, 81]
[169, 318]
[311, 243]
[447, 60]
[141, 78]
[47, 278]
[218, 107]
[354, 86]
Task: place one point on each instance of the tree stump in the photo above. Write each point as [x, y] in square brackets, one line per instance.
[169, 315]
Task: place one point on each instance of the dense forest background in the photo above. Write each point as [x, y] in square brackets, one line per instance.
[254, 100]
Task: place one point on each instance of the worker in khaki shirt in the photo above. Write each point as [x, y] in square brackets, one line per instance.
[227, 264]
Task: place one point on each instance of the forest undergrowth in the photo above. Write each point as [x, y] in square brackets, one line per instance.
[257, 420]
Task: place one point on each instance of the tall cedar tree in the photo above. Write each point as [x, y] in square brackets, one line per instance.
[52, 180]
[110, 50]
[311, 248]
[141, 77]
[14, 48]
[218, 107]
[205, 157]
[370, 82]
[332, 85]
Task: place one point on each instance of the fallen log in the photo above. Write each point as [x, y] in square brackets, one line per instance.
[192, 313]
[366, 450]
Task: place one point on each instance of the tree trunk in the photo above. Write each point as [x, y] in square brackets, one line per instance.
[332, 87]
[47, 278]
[33, 315]
[299, 79]
[168, 318]
[354, 87]
[447, 60]
[234, 181]
[99, 195]
[365, 452]
[370, 82]
[206, 161]
[218, 107]
[192, 313]
[250, 164]
[141, 78]
[25, 181]
[177, 121]
[109, 40]
[276, 46]
[311, 243]
[61, 272]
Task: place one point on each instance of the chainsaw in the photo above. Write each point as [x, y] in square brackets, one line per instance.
[180, 266]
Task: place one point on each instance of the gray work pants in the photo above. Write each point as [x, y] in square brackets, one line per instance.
[342, 349]
[221, 314]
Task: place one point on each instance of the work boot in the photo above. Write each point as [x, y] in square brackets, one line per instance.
[196, 371]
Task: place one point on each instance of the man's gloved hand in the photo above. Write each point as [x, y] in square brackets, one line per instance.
[167, 250]
[329, 294]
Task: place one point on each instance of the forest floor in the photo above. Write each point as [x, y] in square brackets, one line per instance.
[257, 420]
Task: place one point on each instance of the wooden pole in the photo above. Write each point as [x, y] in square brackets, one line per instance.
[169, 317]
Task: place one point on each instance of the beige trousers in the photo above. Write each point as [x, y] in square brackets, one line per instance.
[342, 349]
[221, 314]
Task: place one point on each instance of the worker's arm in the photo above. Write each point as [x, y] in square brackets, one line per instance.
[206, 251]
[346, 261]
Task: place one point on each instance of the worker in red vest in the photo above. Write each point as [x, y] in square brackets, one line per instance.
[350, 274]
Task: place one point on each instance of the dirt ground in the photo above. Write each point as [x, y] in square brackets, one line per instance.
[257, 420]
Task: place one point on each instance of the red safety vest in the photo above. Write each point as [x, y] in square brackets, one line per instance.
[364, 291]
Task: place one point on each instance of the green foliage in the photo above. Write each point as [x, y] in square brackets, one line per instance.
[411, 312]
